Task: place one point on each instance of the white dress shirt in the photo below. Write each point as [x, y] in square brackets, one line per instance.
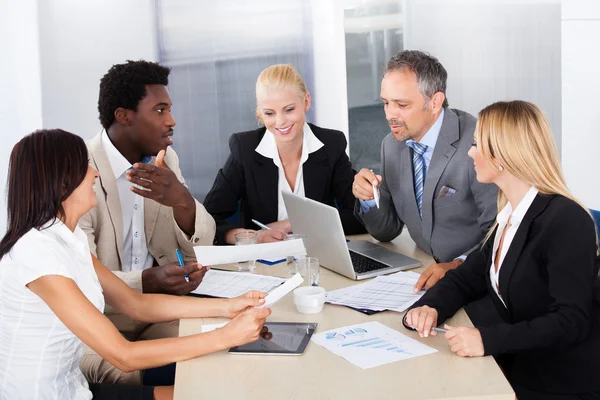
[136, 256]
[39, 355]
[503, 218]
[268, 148]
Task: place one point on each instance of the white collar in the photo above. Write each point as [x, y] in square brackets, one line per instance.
[431, 136]
[268, 148]
[118, 162]
[58, 228]
[518, 214]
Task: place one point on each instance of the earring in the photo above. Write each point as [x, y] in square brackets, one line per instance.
[500, 168]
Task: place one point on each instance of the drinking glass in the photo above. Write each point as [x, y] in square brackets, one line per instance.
[241, 239]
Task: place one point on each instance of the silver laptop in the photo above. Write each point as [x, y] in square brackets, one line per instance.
[325, 240]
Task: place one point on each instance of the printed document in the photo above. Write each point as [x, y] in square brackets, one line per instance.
[230, 284]
[371, 344]
[392, 292]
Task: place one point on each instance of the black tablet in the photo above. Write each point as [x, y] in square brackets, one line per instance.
[279, 338]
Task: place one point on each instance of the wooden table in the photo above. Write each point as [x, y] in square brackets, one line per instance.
[320, 374]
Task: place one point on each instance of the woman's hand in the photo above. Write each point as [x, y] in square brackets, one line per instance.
[422, 319]
[464, 341]
[282, 226]
[266, 236]
[246, 327]
[238, 304]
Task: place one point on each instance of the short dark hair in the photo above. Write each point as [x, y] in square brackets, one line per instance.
[431, 74]
[124, 85]
[45, 167]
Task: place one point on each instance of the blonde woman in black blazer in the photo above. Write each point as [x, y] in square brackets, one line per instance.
[286, 154]
[538, 263]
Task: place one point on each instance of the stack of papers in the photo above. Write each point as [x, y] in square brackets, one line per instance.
[392, 292]
[232, 284]
[371, 344]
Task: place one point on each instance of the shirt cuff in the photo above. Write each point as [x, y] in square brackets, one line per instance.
[461, 258]
[366, 206]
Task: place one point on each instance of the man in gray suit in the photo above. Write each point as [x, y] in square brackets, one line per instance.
[427, 180]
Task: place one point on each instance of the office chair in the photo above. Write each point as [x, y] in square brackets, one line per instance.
[596, 215]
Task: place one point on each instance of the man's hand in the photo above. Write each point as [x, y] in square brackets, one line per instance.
[362, 188]
[265, 236]
[170, 278]
[159, 183]
[433, 274]
[238, 304]
[464, 341]
[422, 319]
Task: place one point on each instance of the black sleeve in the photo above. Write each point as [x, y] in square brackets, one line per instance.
[343, 177]
[569, 257]
[227, 190]
[459, 286]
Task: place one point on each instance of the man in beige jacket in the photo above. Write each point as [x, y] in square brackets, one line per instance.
[145, 212]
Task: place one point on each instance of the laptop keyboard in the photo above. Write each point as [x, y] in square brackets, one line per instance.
[364, 264]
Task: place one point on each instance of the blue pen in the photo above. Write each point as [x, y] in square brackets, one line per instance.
[261, 225]
[181, 263]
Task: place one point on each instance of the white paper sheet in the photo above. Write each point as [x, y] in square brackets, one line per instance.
[280, 292]
[211, 327]
[215, 255]
[371, 344]
[392, 292]
[232, 284]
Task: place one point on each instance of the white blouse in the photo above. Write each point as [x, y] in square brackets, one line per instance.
[503, 218]
[268, 148]
[39, 355]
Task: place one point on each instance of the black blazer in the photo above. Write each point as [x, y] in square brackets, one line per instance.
[253, 179]
[550, 335]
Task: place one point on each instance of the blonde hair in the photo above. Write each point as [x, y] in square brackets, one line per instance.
[517, 135]
[277, 77]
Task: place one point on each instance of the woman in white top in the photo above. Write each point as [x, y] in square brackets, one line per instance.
[52, 289]
[538, 264]
[287, 154]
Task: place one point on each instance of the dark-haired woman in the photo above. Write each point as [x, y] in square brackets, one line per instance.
[52, 289]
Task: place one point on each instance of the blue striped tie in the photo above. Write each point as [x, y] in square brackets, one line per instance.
[419, 172]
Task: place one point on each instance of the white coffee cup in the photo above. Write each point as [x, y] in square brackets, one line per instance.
[309, 299]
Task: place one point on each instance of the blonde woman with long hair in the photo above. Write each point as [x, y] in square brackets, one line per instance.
[285, 154]
[538, 263]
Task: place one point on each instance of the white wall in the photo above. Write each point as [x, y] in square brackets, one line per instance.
[493, 50]
[20, 90]
[79, 42]
[580, 88]
[329, 47]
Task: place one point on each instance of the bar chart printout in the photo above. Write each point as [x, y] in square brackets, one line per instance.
[371, 344]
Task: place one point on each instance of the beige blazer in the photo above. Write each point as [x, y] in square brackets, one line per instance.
[104, 223]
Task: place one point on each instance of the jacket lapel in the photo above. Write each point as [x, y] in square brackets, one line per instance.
[266, 176]
[314, 173]
[443, 152]
[516, 246]
[108, 184]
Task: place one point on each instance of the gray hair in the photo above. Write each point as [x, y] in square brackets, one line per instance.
[431, 74]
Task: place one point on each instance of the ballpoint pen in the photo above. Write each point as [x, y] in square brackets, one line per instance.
[376, 193]
[181, 263]
[439, 330]
[260, 224]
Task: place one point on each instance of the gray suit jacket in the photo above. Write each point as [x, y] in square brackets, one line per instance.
[452, 225]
